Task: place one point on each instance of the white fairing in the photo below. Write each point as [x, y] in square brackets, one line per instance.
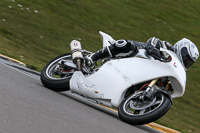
[116, 76]
[79, 84]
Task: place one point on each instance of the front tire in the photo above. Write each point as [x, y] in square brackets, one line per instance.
[136, 114]
[52, 81]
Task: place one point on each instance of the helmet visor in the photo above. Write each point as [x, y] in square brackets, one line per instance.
[187, 60]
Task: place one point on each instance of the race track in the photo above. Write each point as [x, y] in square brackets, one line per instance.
[28, 107]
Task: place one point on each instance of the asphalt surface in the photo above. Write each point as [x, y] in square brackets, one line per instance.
[28, 107]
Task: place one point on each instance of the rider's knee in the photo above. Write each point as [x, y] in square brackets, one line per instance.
[120, 44]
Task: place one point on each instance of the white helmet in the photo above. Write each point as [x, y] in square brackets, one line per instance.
[187, 52]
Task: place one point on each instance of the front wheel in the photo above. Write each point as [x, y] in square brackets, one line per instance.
[136, 112]
[57, 73]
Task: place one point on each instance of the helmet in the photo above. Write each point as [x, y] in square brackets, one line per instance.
[187, 52]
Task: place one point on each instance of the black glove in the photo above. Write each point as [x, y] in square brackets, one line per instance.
[168, 45]
[153, 46]
[154, 52]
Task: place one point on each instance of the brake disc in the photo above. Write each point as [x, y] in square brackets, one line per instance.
[137, 104]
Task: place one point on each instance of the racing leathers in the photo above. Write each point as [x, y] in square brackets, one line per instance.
[126, 48]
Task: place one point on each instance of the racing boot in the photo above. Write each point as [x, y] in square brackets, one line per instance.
[101, 54]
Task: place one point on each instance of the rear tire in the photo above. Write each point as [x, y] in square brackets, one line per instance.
[152, 115]
[55, 84]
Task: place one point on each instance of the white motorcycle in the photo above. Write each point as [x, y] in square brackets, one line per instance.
[140, 87]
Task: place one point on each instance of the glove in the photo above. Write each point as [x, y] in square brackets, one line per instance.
[153, 46]
[154, 52]
[167, 45]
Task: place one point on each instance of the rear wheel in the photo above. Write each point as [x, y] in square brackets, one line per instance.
[56, 73]
[134, 111]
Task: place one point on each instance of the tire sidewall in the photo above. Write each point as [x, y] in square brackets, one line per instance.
[57, 85]
[146, 118]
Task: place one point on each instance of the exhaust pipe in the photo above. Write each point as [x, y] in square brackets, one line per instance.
[76, 52]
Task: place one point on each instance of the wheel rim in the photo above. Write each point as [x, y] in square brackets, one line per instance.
[134, 106]
[50, 73]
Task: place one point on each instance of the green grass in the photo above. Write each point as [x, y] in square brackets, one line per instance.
[39, 37]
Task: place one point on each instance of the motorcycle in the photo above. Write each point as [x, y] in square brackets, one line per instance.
[140, 87]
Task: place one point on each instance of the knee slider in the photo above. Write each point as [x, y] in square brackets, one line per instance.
[120, 44]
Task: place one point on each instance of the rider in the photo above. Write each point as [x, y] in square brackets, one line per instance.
[185, 50]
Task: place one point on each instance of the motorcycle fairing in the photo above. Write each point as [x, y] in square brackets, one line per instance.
[79, 84]
[116, 76]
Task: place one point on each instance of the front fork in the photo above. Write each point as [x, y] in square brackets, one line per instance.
[152, 83]
[152, 89]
